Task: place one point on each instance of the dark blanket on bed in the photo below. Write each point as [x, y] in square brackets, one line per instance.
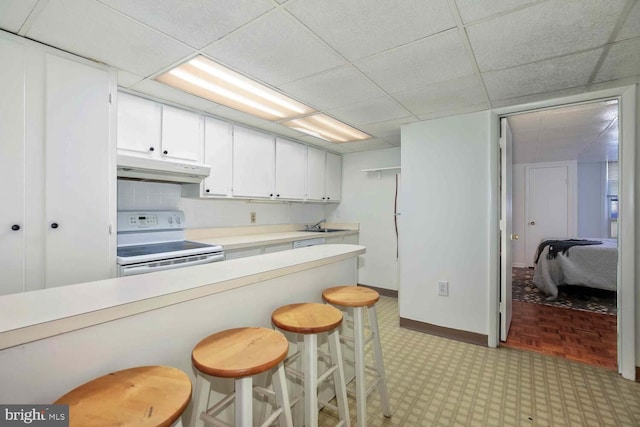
[563, 246]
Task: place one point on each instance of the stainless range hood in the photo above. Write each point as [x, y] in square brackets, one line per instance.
[161, 170]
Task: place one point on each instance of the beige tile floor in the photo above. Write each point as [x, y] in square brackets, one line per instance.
[439, 382]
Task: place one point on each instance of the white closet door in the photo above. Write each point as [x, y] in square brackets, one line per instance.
[12, 226]
[77, 172]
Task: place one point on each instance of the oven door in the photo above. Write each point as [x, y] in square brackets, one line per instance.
[167, 264]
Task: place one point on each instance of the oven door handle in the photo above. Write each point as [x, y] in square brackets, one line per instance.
[149, 268]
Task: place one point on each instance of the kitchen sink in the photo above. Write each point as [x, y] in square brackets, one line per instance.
[325, 230]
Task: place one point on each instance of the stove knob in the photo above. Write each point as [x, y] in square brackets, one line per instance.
[170, 220]
[177, 220]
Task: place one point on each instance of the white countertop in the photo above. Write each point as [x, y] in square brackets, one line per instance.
[28, 316]
[247, 237]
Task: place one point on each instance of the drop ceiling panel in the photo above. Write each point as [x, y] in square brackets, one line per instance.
[458, 111]
[13, 13]
[194, 22]
[631, 27]
[334, 88]
[419, 64]
[472, 10]
[275, 49]
[371, 111]
[623, 60]
[359, 28]
[545, 30]
[545, 76]
[446, 96]
[97, 32]
[369, 144]
[127, 79]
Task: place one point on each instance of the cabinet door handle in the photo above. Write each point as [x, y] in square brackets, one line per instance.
[277, 195]
[165, 152]
[15, 227]
[271, 195]
[151, 149]
[54, 225]
[207, 190]
[328, 197]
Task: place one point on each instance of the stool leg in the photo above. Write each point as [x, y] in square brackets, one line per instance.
[310, 380]
[377, 353]
[298, 387]
[279, 381]
[338, 377]
[200, 400]
[244, 402]
[361, 389]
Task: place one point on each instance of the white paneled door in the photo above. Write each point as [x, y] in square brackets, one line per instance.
[506, 236]
[12, 164]
[547, 205]
[77, 172]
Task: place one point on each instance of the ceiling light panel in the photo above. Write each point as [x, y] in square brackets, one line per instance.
[327, 128]
[207, 79]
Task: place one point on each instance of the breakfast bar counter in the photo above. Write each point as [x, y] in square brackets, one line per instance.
[53, 339]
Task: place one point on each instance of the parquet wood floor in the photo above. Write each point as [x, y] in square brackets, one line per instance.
[573, 334]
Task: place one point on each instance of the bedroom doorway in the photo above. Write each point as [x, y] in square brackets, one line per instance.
[563, 156]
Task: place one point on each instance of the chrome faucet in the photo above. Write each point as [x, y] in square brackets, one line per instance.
[315, 226]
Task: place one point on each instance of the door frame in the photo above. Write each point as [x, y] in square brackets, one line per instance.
[626, 219]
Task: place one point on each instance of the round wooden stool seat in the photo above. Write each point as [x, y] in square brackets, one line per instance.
[351, 296]
[141, 396]
[307, 318]
[241, 352]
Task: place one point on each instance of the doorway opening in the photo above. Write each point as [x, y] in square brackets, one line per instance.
[563, 186]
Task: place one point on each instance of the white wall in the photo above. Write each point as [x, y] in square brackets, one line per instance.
[447, 200]
[518, 215]
[203, 213]
[592, 182]
[370, 202]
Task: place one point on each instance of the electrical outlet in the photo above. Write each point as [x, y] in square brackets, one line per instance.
[443, 288]
[253, 217]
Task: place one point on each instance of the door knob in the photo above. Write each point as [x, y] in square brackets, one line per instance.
[515, 237]
[532, 223]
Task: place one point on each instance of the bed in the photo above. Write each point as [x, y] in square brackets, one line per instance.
[594, 266]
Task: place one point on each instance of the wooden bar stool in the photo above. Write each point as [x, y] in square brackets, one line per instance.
[309, 320]
[141, 396]
[241, 353]
[357, 298]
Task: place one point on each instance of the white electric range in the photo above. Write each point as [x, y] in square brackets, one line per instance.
[155, 240]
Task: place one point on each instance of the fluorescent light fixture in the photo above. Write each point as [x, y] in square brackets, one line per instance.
[325, 127]
[207, 79]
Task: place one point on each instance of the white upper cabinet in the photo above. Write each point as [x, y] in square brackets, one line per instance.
[139, 125]
[218, 153]
[315, 174]
[333, 177]
[181, 134]
[253, 163]
[291, 168]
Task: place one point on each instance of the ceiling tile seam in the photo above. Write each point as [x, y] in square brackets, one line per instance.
[33, 15]
[549, 93]
[467, 44]
[263, 16]
[624, 15]
[503, 13]
[587, 146]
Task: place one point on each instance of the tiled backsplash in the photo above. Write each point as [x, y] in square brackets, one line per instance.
[203, 213]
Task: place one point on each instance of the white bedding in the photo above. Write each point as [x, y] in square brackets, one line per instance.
[593, 266]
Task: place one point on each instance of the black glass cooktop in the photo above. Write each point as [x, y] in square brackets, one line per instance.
[159, 248]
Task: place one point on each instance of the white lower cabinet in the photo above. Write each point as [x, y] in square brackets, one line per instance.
[242, 253]
[267, 249]
[57, 173]
[277, 248]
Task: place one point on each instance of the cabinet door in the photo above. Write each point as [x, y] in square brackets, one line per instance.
[12, 128]
[77, 177]
[181, 134]
[291, 168]
[218, 146]
[333, 177]
[253, 163]
[138, 125]
[315, 174]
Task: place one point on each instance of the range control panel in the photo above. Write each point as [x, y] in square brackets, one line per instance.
[150, 220]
